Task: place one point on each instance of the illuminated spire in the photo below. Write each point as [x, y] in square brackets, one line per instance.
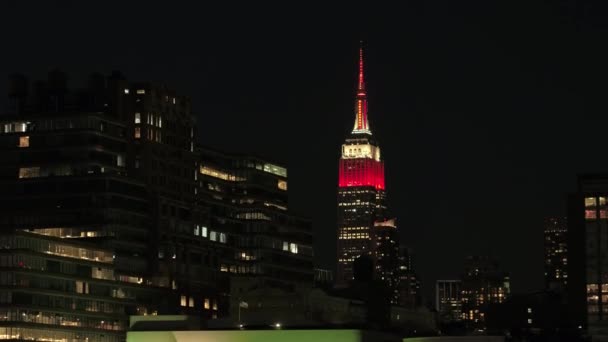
[361, 123]
[361, 87]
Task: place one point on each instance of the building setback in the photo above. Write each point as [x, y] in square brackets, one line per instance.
[361, 193]
[364, 226]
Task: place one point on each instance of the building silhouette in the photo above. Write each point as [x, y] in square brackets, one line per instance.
[587, 287]
[556, 253]
[483, 284]
[448, 300]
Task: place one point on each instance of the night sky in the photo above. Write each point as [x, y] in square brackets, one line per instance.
[485, 112]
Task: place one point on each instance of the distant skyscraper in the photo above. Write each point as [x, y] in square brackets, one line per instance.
[587, 287]
[387, 255]
[483, 283]
[556, 248]
[361, 191]
[408, 284]
[448, 300]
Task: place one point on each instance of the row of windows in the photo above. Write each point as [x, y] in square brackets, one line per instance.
[12, 127]
[353, 236]
[64, 303]
[593, 201]
[206, 303]
[82, 122]
[65, 320]
[151, 119]
[591, 214]
[65, 170]
[241, 269]
[213, 235]
[29, 280]
[55, 248]
[28, 334]
[253, 216]
[150, 134]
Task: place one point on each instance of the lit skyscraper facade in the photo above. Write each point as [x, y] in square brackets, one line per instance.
[448, 300]
[483, 284]
[587, 287]
[556, 249]
[361, 191]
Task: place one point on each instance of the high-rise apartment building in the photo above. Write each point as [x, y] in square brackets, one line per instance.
[267, 246]
[587, 287]
[556, 253]
[408, 285]
[483, 283]
[361, 190]
[108, 209]
[74, 257]
[386, 251]
[448, 300]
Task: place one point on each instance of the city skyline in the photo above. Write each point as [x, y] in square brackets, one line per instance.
[436, 152]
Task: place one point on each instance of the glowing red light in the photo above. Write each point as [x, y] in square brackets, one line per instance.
[21, 264]
[361, 172]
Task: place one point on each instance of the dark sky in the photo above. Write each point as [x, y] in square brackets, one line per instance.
[485, 110]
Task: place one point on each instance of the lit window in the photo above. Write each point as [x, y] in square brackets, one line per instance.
[282, 184]
[160, 122]
[590, 202]
[29, 172]
[214, 304]
[223, 237]
[213, 236]
[120, 160]
[24, 141]
[183, 301]
[206, 304]
[274, 169]
[126, 90]
[204, 234]
[196, 230]
[285, 245]
[191, 302]
[141, 91]
[174, 100]
[590, 214]
[137, 118]
[293, 248]
[529, 320]
[137, 132]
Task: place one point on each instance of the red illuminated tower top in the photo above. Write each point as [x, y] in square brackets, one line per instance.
[361, 123]
[360, 164]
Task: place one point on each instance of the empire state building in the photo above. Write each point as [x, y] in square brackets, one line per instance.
[361, 191]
